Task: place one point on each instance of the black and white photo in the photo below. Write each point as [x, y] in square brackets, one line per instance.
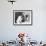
[22, 17]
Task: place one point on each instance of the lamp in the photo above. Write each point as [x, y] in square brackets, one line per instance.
[12, 1]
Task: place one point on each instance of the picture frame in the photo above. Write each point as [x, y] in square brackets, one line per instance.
[22, 17]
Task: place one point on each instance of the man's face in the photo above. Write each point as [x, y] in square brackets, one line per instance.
[19, 20]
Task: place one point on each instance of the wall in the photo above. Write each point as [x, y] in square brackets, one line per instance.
[38, 30]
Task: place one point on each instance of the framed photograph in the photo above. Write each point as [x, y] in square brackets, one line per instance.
[22, 17]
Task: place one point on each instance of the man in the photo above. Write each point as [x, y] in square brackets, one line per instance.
[19, 17]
